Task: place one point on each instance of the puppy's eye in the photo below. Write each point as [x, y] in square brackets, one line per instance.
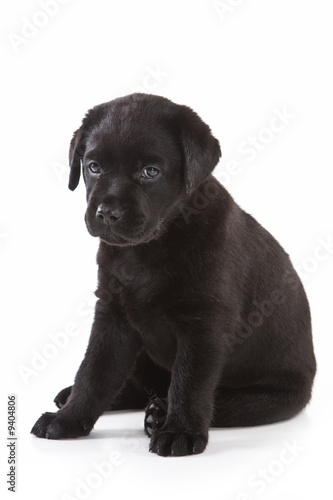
[150, 172]
[94, 168]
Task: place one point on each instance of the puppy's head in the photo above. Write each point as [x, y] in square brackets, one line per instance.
[141, 156]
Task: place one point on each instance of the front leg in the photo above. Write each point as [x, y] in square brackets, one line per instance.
[110, 357]
[191, 396]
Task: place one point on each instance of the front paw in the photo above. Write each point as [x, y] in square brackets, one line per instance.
[57, 426]
[177, 444]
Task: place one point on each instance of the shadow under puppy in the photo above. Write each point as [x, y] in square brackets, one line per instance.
[196, 301]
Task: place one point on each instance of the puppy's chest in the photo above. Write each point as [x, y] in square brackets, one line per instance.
[139, 286]
[146, 295]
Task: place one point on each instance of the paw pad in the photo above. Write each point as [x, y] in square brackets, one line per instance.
[156, 413]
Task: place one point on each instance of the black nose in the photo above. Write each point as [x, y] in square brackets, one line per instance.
[107, 214]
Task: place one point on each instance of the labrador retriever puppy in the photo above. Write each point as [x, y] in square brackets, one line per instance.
[197, 302]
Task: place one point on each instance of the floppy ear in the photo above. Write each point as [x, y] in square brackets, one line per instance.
[201, 150]
[76, 151]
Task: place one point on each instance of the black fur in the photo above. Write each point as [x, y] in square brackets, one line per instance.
[196, 301]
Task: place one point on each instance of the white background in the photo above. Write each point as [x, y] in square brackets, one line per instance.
[235, 66]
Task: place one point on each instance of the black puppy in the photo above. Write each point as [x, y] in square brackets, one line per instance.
[196, 301]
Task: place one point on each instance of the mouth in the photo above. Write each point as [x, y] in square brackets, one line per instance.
[117, 240]
[136, 237]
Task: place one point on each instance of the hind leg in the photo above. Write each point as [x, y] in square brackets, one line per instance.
[259, 405]
[242, 407]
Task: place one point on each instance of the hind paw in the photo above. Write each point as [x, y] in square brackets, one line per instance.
[156, 413]
[61, 398]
